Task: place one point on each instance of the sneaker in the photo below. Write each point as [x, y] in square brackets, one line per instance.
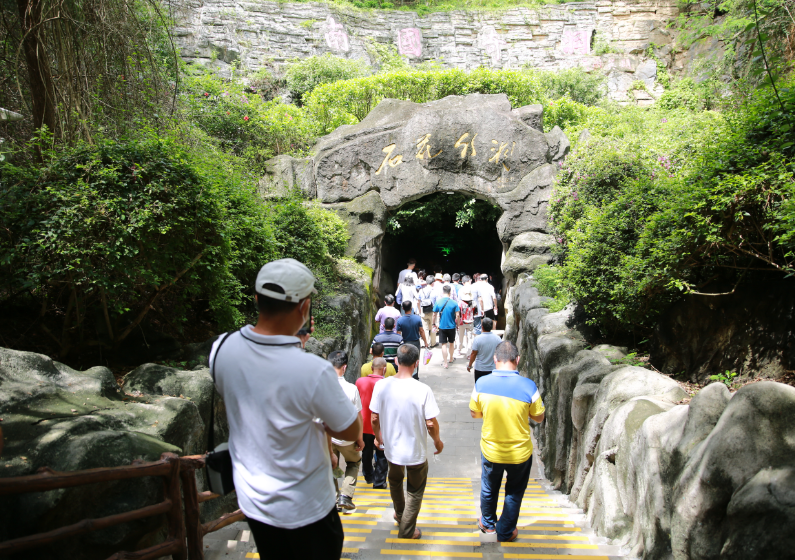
[345, 503]
[483, 529]
[512, 538]
[379, 487]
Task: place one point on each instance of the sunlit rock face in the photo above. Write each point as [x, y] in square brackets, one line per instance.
[608, 36]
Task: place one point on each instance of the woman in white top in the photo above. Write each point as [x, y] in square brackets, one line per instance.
[409, 293]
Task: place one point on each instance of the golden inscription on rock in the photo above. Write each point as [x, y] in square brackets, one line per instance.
[388, 159]
[422, 144]
[463, 144]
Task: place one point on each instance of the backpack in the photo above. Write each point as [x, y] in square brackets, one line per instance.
[466, 314]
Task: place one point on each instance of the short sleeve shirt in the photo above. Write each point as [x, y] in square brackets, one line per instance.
[403, 406]
[485, 345]
[447, 317]
[486, 293]
[384, 313]
[409, 326]
[365, 386]
[506, 400]
[367, 369]
[281, 464]
[352, 393]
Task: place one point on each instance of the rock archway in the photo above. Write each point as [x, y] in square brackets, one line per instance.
[475, 144]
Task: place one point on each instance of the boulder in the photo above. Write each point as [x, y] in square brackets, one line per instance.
[758, 516]
[366, 219]
[612, 353]
[284, 173]
[559, 145]
[755, 434]
[527, 252]
[57, 417]
[532, 116]
[401, 151]
[525, 207]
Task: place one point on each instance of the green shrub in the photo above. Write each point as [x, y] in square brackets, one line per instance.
[103, 234]
[567, 114]
[660, 203]
[243, 123]
[549, 283]
[305, 75]
[349, 101]
[587, 88]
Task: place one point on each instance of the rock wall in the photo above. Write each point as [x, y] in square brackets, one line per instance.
[610, 36]
[53, 416]
[475, 144]
[705, 479]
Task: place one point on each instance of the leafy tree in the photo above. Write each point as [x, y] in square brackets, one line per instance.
[305, 75]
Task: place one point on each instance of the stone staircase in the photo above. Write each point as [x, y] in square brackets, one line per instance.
[550, 528]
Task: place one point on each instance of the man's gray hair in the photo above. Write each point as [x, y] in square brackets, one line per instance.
[408, 355]
[409, 281]
[446, 277]
[379, 363]
[506, 351]
[446, 289]
[466, 279]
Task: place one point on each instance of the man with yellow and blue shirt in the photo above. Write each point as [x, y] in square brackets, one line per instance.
[505, 400]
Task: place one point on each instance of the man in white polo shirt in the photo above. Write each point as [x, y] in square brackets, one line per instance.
[273, 392]
[403, 411]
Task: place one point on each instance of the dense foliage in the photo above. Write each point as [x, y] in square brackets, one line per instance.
[305, 75]
[100, 236]
[661, 202]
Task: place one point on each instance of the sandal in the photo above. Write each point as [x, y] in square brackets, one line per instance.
[417, 533]
[444, 365]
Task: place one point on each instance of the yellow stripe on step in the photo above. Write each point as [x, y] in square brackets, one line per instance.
[345, 515]
[431, 553]
[357, 522]
[355, 539]
[425, 518]
[554, 537]
[547, 528]
[555, 557]
[357, 530]
[350, 550]
[549, 545]
[444, 534]
[446, 526]
[433, 541]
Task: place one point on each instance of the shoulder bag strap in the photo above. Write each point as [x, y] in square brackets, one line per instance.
[210, 432]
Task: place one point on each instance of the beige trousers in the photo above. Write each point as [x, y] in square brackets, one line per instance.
[427, 322]
[353, 459]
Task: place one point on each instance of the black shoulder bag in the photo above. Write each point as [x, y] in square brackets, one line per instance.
[218, 461]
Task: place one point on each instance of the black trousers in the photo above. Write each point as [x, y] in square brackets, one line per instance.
[490, 314]
[321, 540]
[377, 475]
[479, 374]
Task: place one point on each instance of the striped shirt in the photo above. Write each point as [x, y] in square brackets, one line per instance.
[391, 341]
[506, 400]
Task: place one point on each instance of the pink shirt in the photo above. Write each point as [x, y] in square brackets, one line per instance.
[384, 313]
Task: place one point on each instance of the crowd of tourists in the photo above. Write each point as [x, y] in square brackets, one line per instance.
[292, 415]
[441, 309]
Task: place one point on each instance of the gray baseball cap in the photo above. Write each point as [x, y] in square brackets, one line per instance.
[293, 277]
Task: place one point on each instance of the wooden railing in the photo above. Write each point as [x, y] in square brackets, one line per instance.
[185, 533]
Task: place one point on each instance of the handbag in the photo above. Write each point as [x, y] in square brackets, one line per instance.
[218, 462]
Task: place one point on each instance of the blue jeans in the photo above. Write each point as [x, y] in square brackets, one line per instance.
[476, 325]
[515, 485]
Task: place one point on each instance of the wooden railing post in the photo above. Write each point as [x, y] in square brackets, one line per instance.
[192, 523]
[176, 527]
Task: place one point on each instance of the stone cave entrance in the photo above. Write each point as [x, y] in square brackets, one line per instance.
[444, 232]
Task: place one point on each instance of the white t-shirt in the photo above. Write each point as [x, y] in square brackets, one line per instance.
[486, 292]
[273, 391]
[352, 392]
[407, 272]
[403, 406]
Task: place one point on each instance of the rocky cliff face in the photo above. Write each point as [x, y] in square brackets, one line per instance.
[54, 416]
[705, 479]
[475, 144]
[610, 36]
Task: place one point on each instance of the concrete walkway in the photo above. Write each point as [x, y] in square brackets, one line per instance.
[550, 527]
